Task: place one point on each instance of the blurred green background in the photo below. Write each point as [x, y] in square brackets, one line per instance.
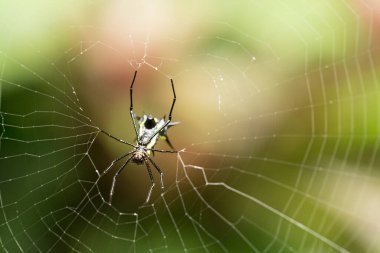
[278, 104]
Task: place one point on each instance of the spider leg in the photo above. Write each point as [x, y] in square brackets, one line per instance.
[131, 107]
[159, 171]
[114, 178]
[151, 181]
[166, 139]
[174, 99]
[169, 143]
[115, 138]
[115, 161]
[170, 114]
[163, 151]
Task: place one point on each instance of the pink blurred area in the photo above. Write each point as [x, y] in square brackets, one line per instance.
[369, 11]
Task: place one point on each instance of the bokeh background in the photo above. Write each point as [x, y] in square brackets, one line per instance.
[278, 104]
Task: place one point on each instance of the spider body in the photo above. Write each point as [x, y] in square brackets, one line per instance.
[139, 156]
[147, 134]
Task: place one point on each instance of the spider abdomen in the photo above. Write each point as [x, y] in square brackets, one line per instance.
[147, 136]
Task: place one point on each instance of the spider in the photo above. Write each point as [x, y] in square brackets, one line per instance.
[147, 134]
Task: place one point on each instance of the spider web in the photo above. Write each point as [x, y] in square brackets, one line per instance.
[278, 137]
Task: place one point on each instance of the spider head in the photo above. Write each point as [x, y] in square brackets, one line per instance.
[138, 157]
